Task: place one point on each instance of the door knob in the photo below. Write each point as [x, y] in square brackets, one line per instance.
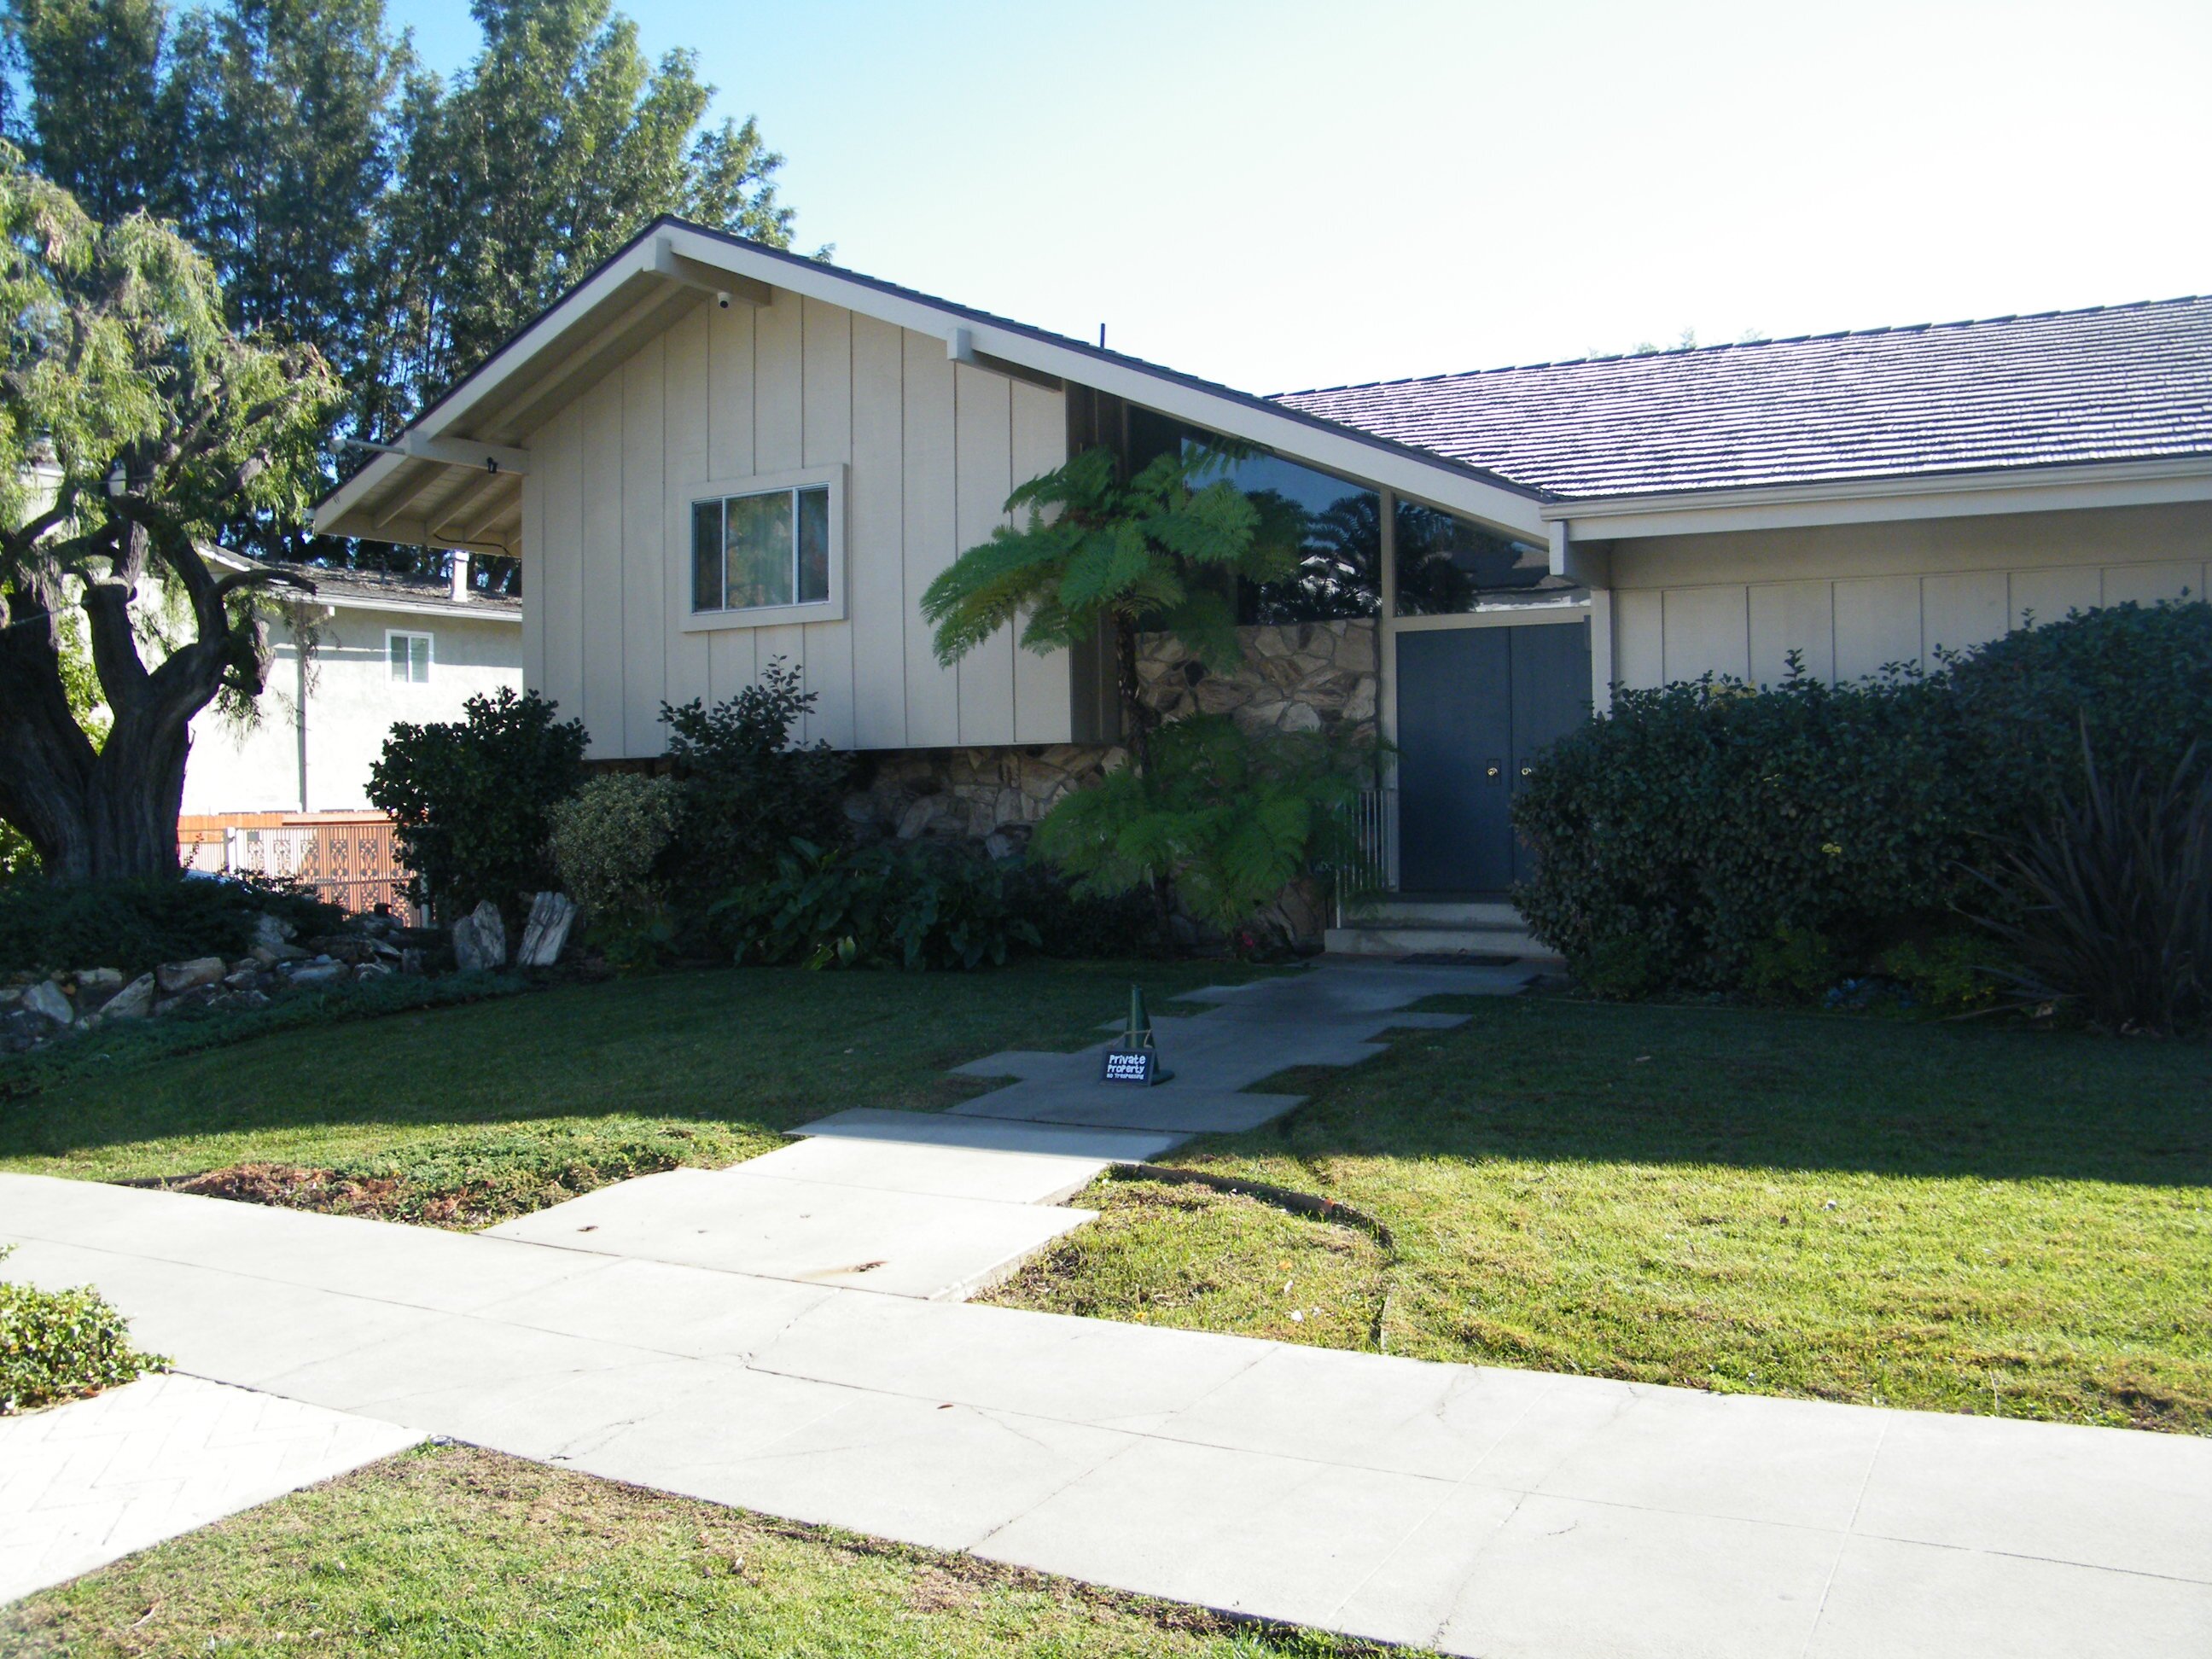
[1527, 771]
[1493, 771]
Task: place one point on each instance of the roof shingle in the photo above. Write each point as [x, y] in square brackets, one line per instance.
[2116, 383]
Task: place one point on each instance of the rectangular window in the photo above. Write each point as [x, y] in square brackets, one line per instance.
[409, 657]
[760, 550]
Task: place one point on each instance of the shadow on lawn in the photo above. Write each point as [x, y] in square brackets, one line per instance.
[1541, 1077]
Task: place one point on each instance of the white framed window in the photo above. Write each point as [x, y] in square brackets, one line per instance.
[409, 657]
[764, 551]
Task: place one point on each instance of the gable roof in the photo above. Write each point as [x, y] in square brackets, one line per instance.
[436, 488]
[2110, 384]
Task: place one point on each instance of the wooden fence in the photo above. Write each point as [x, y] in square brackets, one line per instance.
[347, 858]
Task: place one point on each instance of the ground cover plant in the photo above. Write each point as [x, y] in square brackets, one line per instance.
[1925, 1215]
[449, 1549]
[136, 922]
[462, 1116]
[61, 1345]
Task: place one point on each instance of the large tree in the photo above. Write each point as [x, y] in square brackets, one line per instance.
[134, 421]
[401, 225]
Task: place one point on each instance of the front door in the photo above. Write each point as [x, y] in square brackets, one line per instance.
[1475, 707]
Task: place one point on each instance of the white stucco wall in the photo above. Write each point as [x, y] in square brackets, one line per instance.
[351, 702]
[1854, 598]
[929, 450]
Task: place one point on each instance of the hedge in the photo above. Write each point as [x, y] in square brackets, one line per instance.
[1706, 835]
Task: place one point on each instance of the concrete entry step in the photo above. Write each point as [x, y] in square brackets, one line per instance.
[1395, 939]
[991, 1134]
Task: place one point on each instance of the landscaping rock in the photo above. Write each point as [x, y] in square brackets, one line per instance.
[134, 1001]
[551, 916]
[270, 955]
[320, 972]
[94, 986]
[175, 977]
[410, 961]
[271, 931]
[48, 999]
[239, 978]
[480, 939]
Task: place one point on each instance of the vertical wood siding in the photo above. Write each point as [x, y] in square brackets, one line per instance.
[1850, 600]
[930, 449]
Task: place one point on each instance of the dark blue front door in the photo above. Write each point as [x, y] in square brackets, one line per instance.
[1475, 707]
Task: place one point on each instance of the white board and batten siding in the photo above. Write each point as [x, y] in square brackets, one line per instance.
[1852, 599]
[927, 450]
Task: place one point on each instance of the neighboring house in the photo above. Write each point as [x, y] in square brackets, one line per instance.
[379, 649]
[711, 455]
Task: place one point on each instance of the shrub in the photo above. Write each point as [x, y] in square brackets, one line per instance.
[2107, 904]
[748, 790]
[1227, 816]
[472, 799]
[136, 922]
[607, 839]
[898, 904]
[1081, 927]
[59, 1345]
[1684, 837]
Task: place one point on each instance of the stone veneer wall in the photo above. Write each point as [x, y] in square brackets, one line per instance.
[1298, 676]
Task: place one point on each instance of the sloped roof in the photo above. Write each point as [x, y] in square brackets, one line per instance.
[2113, 383]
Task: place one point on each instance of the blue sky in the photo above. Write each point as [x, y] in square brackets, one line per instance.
[1285, 195]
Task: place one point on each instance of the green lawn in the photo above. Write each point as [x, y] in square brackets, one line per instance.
[1943, 1217]
[450, 1550]
[463, 1115]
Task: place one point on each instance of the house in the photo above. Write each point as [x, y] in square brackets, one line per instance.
[711, 455]
[290, 790]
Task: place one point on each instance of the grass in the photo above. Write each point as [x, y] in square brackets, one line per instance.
[1948, 1218]
[464, 1116]
[450, 1550]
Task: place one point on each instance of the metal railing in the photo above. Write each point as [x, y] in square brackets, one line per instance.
[1372, 863]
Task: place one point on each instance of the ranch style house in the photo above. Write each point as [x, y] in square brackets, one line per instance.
[710, 455]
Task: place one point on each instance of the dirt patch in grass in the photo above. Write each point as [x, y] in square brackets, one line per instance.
[450, 1549]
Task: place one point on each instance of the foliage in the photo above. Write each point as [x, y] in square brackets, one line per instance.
[18, 858]
[2106, 905]
[1951, 972]
[400, 225]
[896, 904]
[749, 790]
[1228, 815]
[136, 922]
[133, 424]
[608, 837]
[1687, 836]
[1083, 927]
[1165, 550]
[60, 1344]
[473, 799]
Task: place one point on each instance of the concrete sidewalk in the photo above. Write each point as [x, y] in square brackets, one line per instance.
[1490, 1512]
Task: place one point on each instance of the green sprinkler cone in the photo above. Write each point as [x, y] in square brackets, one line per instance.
[1139, 1033]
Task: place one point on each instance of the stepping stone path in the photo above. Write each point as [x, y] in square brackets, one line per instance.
[941, 1205]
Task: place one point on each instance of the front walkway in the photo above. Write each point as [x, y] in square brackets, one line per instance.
[1491, 1512]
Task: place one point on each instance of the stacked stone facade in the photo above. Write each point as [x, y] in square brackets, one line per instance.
[1301, 676]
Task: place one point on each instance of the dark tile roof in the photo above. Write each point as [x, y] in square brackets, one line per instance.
[2116, 383]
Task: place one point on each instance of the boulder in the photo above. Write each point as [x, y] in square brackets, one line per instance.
[176, 977]
[49, 999]
[551, 914]
[320, 972]
[272, 931]
[270, 955]
[480, 939]
[134, 1001]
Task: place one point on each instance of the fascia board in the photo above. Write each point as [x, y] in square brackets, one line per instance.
[2116, 484]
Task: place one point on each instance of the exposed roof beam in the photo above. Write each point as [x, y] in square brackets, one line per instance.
[725, 285]
[426, 479]
[960, 347]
